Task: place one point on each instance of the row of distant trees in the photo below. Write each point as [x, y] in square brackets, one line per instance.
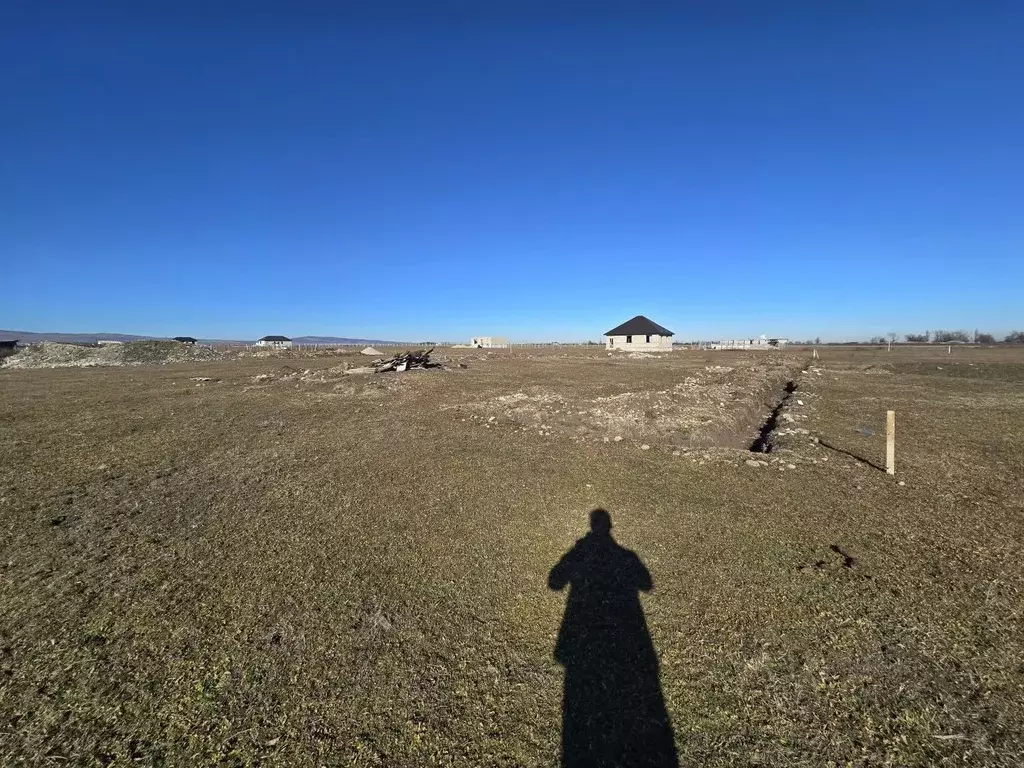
[963, 337]
[937, 337]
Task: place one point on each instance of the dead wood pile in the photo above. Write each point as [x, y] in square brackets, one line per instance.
[405, 361]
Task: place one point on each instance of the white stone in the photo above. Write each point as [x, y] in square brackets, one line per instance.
[645, 447]
[618, 438]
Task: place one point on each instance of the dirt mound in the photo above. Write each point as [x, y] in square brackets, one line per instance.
[52, 354]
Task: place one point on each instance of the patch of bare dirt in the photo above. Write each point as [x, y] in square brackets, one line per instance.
[719, 405]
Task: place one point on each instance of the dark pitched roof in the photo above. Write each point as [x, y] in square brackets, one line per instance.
[639, 326]
[185, 339]
[275, 338]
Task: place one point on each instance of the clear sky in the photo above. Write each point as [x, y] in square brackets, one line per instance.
[527, 169]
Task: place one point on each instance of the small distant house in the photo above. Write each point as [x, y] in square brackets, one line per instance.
[185, 339]
[108, 342]
[275, 342]
[489, 342]
[639, 334]
[8, 343]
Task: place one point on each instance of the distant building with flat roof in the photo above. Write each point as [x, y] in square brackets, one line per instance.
[489, 342]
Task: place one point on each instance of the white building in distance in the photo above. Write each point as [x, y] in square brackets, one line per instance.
[762, 342]
[639, 335]
[275, 342]
[489, 342]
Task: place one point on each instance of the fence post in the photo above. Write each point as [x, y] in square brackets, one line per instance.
[890, 442]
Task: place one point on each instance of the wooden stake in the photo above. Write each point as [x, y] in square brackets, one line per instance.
[890, 442]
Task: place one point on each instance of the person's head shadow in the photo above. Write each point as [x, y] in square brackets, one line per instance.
[613, 711]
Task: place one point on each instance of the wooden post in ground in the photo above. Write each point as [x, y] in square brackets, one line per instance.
[890, 442]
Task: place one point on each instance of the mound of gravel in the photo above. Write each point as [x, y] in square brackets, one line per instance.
[52, 354]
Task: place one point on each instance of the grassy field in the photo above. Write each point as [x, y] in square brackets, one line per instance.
[280, 567]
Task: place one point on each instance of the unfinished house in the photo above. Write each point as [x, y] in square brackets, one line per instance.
[762, 342]
[639, 335]
[489, 342]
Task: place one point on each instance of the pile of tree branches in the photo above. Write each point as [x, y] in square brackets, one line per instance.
[405, 361]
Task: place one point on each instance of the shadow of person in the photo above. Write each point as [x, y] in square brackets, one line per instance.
[613, 711]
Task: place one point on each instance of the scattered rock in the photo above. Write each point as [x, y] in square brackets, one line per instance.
[618, 438]
[645, 447]
[752, 463]
[901, 483]
[791, 466]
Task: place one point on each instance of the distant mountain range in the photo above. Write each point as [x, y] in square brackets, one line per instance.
[28, 337]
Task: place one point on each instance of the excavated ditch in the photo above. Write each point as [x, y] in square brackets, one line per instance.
[765, 440]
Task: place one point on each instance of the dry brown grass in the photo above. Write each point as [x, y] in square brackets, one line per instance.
[344, 572]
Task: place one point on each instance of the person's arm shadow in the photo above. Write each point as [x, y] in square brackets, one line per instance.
[641, 576]
[563, 571]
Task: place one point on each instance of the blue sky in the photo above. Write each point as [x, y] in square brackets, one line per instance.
[534, 170]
